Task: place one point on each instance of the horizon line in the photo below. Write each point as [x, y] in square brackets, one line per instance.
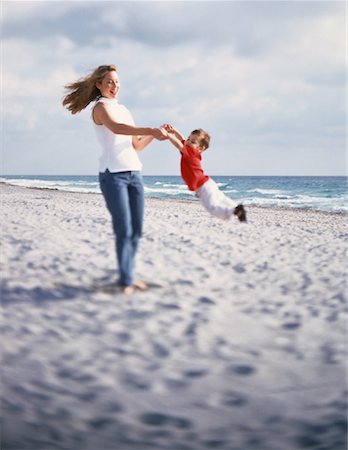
[157, 175]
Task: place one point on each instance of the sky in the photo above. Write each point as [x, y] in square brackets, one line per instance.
[267, 80]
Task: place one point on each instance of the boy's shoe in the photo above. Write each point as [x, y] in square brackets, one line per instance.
[239, 211]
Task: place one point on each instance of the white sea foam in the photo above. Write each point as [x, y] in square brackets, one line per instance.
[311, 193]
[61, 185]
[301, 201]
[267, 191]
[169, 192]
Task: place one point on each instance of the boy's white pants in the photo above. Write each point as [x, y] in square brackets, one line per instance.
[215, 201]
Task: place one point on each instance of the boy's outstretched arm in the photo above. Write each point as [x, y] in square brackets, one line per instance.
[174, 131]
[174, 138]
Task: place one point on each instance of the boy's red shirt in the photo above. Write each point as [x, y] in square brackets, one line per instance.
[191, 168]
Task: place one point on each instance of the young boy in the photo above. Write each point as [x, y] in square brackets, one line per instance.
[214, 201]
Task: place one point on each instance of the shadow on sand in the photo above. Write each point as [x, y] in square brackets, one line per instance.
[39, 294]
[10, 295]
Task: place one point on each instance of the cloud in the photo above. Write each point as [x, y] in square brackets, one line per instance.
[172, 22]
[255, 74]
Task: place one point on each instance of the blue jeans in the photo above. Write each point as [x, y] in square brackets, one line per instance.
[124, 196]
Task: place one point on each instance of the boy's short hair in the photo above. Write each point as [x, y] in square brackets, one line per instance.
[203, 137]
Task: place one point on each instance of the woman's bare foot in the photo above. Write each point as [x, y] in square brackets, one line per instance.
[141, 285]
[128, 290]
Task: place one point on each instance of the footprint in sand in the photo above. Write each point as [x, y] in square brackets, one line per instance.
[291, 325]
[292, 321]
[136, 381]
[239, 268]
[168, 306]
[158, 419]
[191, 329]
[242, 369]
[100, 423]
[123, 337]
[160, 350]
[87, 396]
[195, 373]
[328, 354]
[206, 301]
[174, 384]
[234, 399]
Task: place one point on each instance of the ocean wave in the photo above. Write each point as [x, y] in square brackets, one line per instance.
[229, 191]
[302, 202]
[267, 191]
[319, 194]
[172, 192]
[62, 185]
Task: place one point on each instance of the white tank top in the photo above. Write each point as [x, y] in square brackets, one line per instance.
[118, 153]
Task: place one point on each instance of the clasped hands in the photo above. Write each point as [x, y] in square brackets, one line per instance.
[161, 133]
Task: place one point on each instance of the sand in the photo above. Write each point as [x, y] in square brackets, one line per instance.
[239, 344]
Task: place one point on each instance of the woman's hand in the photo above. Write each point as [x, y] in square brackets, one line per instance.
[159, 134]
[172, 130]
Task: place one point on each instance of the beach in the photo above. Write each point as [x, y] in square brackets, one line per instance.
[239, 344]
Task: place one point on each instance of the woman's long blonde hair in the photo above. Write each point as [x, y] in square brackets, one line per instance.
[83, 91]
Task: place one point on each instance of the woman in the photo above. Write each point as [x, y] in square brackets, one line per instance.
[120, 168]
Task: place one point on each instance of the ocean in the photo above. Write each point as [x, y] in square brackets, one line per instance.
[315, 193]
